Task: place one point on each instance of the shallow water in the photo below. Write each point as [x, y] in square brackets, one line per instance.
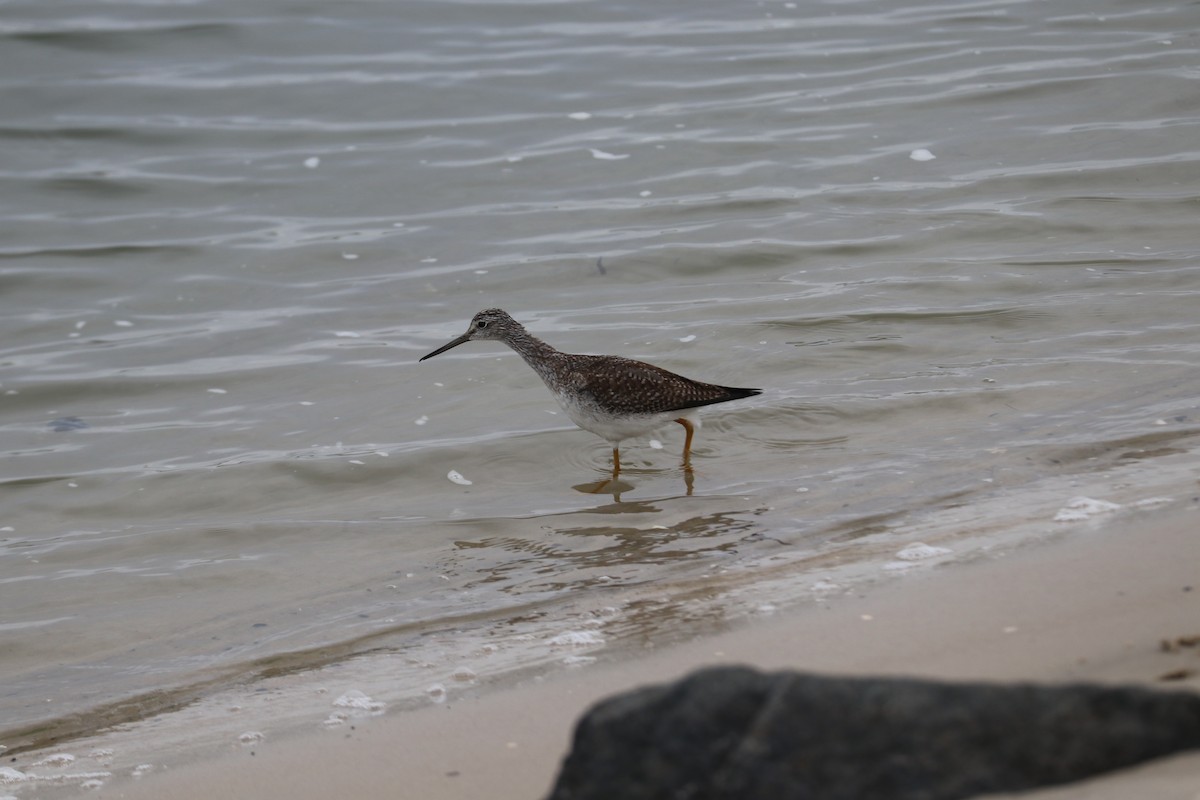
[230, 231]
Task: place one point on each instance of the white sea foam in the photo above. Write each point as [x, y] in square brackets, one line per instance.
[457, 477]
[1152, 501]
[919, 551]
[8, 776]
[55, 760]
[604, 156]
[576, 639]
[1081, 508]
[464, 674]
[359, 701]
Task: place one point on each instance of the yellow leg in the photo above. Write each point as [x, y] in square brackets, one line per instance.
[687, 442]
[599, 487]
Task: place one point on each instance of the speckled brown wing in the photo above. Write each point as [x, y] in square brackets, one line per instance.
[624, 386]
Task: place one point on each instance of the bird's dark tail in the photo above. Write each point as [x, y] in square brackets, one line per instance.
[718, 394]
[737, 394]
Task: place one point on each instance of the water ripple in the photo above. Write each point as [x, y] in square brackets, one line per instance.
[952, 242]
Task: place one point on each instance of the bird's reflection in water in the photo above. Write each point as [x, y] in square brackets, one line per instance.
[615, 486]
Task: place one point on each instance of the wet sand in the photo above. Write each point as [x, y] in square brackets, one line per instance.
[1094, 604]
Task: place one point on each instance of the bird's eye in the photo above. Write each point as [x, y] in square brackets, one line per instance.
[482, 324]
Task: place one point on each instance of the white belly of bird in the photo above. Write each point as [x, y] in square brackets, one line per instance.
[616, 428]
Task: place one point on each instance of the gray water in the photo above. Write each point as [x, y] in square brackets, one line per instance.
[230, 229]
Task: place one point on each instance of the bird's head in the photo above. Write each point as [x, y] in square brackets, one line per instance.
[491, 323]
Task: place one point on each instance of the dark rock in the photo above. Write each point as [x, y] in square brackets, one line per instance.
[734, 733]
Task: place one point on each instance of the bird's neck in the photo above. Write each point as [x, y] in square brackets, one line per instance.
[537, 354]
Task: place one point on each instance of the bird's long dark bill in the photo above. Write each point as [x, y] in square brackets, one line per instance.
[447, 346]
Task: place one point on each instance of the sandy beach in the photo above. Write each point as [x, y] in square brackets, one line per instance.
[1095, 604]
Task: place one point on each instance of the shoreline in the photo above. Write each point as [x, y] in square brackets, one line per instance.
[1094, 605]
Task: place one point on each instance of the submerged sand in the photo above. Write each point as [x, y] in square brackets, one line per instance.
[1109, 602]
